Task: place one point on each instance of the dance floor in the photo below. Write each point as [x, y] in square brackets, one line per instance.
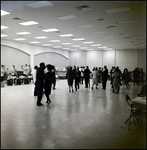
[83, 119]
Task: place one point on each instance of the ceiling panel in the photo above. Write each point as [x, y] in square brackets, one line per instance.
[97, 21]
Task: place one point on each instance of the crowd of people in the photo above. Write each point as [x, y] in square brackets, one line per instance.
[44, 78]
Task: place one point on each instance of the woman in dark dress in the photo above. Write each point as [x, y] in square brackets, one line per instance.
[48, 82]
[70, 77]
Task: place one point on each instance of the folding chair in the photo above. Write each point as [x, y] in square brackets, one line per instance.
[136, 114]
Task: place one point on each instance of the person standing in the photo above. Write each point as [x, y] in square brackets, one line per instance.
[48, 82]
[40, 83]
[34, 79]
[54, 77]
[3, 71]
[70, 77]
[126, 78]
[104, 77]
[77, 78]
[87, 73]
[116, 81]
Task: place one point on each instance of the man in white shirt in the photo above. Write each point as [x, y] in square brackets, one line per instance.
[34, 79]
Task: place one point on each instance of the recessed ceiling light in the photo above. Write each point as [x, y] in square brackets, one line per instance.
[3, 35]
[39, 4]
[41, 37]
[52, 41]
[23, 33]
[46, 44]
[88, 42]
[66, 35]
[3, 27]
[96, 45]
[35, 42]
[28, 23]
[79, 39]
[66, 43]
[50, 30]
[116, 10]
[20, 39]
[67, 17]
[57, 46]
[103, 47]
[4, 13]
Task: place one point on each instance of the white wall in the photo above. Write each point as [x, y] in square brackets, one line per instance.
[32, 51]
[58, 60]
[127, 59]
[122, 58]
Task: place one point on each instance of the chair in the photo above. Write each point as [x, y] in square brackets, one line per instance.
[136, 114]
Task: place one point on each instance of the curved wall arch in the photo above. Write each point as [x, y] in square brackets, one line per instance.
[58, 60]
[13, 56]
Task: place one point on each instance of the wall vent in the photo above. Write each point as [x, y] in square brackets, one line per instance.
[111, 27]
[83, 8]
[17, 18]
[101, 19]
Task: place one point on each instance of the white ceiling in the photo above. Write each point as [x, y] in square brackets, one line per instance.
[128, 28]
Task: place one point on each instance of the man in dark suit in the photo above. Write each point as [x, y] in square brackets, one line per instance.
[87, 73]
[104, 77]
[40, 83]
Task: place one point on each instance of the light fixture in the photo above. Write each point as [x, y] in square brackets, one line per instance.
[23, 33]
[46, 44]
[88, 42]
[35, 42]
[66, 35]
[103, 47]
[3, 27]
[79, 39]
[28, 23]
[96, 45]
[41, 37]
[50, 30]
[4, 13]
[3, 35]
[66, 43]
[20, 39]
[52, 41]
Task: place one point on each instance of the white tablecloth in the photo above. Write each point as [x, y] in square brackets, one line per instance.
[140, 100]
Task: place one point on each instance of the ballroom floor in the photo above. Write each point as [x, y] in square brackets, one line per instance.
[85, 119]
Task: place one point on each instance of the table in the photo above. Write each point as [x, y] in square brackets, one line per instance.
[139, 102]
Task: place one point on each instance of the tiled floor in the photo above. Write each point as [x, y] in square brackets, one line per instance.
[85, 119]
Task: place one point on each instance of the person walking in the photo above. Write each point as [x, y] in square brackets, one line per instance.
[104, 77]
[94, 77]
[126, 78]
[48, 82]
[40, 76]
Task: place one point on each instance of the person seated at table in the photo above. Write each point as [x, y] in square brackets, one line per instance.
[143, 91]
